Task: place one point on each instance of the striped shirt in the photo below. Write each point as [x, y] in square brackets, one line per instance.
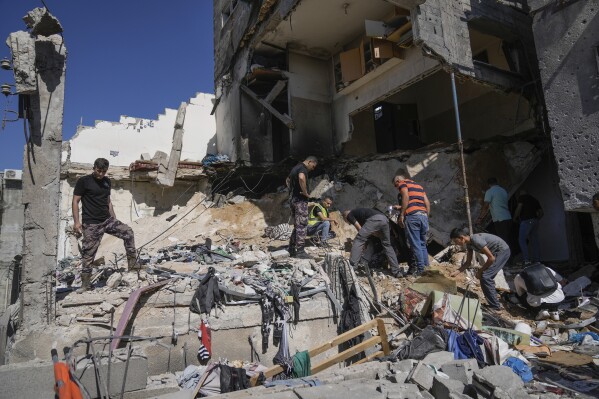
[415, 196]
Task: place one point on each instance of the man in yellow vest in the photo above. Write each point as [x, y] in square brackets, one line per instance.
[319, 221]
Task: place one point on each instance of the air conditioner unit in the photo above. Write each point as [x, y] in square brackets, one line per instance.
[13, 174]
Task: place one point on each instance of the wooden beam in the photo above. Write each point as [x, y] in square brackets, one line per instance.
[282, 117]
[346, 354]
[338, 340]
[276, 90]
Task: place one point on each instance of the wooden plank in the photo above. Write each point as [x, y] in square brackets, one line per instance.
[383, 334]
[276, 90]
[378, 323]
[283, 118]
[369, 357]
[346, 354]
[342, 338]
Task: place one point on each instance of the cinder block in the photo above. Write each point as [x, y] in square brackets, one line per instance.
[422, 375]
[461, 370]
[404, 365]
[442, 387]
[497, 377]
[27, 380]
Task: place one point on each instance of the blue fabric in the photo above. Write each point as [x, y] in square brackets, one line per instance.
[520, 368]
[209, 159]
[452, 345]
[497, 198]
[529, 233]
[578, 337]
[416, 229]
[469, 343]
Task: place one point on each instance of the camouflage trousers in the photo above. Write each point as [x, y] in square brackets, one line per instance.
[92, 236]
[299, 214]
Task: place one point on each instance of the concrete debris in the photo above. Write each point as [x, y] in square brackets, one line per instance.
[41, 22]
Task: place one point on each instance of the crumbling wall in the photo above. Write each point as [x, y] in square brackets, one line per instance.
[368, 182]
[440, 28]
[11, 235]
[123, 142]
[566, 40]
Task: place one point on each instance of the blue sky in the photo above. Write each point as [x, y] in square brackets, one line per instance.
[124, 58]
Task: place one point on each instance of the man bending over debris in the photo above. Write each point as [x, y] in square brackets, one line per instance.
[319, 221]
[370, 222]
[98, 218]
[497, 252]
[297, 182]
[538, 286]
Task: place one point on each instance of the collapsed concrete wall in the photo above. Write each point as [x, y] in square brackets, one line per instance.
[124, 141]
[565, 34]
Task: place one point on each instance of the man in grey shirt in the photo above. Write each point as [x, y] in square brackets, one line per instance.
[497, 252]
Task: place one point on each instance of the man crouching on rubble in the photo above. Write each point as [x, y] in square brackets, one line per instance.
[370, 222]
[98, 218]
[497, 252]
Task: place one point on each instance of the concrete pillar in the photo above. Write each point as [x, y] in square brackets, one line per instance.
[39, 63]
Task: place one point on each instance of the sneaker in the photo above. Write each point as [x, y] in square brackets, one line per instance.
[543, 315]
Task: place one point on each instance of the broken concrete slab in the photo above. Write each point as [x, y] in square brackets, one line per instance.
[461, 370]
[281, 254]
[492, 377]
[405, 366]
[41, 22]
[22, 49]
[443, 387]
[438, 359]
[238, 199]
[137, 373]
[34, 379]
[422, 375]
[166, 177]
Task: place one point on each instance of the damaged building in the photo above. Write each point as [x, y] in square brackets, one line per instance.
[219, 305]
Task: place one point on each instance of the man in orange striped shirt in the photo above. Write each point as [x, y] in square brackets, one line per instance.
[414, 210]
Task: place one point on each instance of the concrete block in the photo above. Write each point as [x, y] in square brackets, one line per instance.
[145, 156]
[443, 387]
[281, 254]
[404, 365]
[438, 359]
[422, 375]
[399, 377]
[137, 374]
[33, 379]
[369, 370]
[461, 370]
[238, 199]
[399, 391]
[497, 377]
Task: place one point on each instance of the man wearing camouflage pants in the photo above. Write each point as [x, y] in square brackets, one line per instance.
[98, 218]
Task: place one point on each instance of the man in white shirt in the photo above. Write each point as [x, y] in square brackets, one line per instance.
[542, 287]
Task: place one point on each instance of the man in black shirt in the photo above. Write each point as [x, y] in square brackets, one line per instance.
[370, 222]
[528, 212]
[297, 182]
[98, 218]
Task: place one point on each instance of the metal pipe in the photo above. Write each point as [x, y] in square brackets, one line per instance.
[461, 148]
[127, 364]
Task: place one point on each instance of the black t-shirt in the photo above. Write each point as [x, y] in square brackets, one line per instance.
[361, 214]
[94, 197]
[530, 206]
[294, 186]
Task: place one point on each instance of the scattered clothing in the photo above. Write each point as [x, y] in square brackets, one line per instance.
[205, 336]
[207, 295]
[520, 368]
[431, 339]
[279, 232]
[233, 379]
[301, 365]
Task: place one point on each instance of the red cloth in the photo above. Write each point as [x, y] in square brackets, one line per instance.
[206, 336]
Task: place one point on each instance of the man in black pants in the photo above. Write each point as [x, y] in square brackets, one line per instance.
[370, 222]
[297, 182]
[98, 218]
